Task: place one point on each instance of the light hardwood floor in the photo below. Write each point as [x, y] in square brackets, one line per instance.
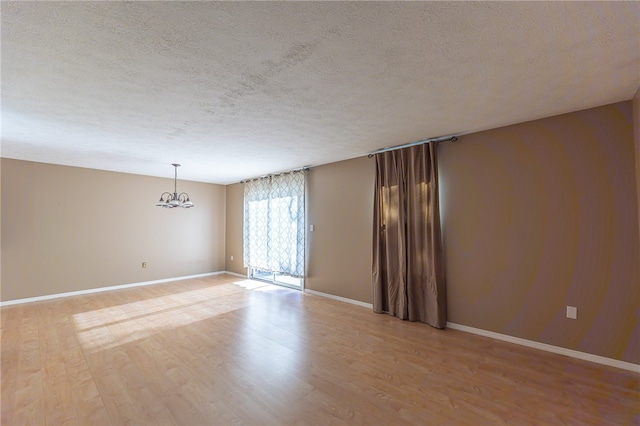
[208, 351]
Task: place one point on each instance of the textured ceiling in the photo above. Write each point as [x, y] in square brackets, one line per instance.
[237, 90]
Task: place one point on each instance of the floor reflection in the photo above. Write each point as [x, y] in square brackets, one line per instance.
[121, 324]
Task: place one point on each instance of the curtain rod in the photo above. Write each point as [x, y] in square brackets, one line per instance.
[407, 145]
[301, 169]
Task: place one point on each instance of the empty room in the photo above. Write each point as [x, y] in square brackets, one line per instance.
[273, 213]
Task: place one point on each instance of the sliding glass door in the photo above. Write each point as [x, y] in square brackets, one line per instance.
[274, 228]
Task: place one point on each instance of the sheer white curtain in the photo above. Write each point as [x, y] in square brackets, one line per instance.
[274, 224]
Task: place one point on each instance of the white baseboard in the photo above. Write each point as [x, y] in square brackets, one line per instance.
[342, 299]
[549, 348]
[511, 339]
[109, 288]
[235, 274]
[518, 341]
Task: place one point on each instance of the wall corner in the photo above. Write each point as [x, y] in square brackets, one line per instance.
[636, 139]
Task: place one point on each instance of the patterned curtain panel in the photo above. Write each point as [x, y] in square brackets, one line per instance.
[274, 224]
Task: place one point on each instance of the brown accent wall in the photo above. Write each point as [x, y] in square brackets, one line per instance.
[340, 207]
[234, 240]
[69, 229]
[541, 215]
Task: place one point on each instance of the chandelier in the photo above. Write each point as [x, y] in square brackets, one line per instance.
[175, 199]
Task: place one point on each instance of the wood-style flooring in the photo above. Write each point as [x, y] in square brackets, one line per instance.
[209, 351]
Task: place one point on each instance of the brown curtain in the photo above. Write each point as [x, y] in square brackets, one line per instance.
[408, 275]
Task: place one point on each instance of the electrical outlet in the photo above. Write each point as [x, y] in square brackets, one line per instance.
[572, 312]
[311, 228]
[232, 258]
[144, 264]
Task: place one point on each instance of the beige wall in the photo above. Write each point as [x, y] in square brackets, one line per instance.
[68, 229]
[340, 206]
[235, 215]
[542, 215]
[536, 216]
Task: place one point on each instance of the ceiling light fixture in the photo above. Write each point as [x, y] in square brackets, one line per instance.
[175, 199]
